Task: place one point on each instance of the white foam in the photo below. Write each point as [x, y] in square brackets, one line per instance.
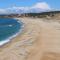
[3, 42]
[10, 25]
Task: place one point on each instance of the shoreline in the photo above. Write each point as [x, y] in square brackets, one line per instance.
[2, 43]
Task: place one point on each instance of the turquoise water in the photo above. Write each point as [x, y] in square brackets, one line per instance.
[8, 27]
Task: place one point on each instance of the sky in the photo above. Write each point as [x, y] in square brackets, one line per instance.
[16, 6]
[55, 4]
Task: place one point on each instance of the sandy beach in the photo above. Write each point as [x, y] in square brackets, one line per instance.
[39, 40]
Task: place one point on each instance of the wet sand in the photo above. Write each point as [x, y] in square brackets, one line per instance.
[39, 40]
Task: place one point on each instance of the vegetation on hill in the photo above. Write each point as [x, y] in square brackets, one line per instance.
[39, 15]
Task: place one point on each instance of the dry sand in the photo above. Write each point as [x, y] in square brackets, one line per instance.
[39, 40]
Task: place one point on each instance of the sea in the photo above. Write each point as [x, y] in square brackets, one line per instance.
[9, 28]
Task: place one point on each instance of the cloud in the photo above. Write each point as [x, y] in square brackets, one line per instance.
[3, 11]
[40, 5]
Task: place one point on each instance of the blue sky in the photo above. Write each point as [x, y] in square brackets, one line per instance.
[9, 3]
